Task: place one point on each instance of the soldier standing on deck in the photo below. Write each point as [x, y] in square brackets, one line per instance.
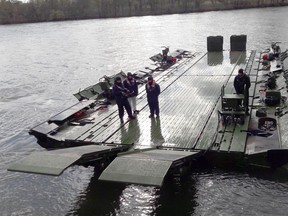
[121, 97]
[131, 84]
[153, 91]
[242, 84]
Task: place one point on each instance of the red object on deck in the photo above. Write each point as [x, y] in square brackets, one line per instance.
[265, 57]
[79, 114]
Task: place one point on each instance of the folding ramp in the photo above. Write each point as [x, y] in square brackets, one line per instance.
[148, 167]
[56, 161]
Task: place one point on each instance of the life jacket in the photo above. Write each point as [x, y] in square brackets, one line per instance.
[130, 82]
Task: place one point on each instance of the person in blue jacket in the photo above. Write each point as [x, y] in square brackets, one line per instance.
[153, 91]
[131, 84]
[121, 97]
[242, 84]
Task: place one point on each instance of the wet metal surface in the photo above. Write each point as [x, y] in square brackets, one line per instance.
[147, 167]
[186, 104]
[190, 91]
[55, 162]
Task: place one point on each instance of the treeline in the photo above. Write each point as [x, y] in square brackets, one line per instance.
[14, 11]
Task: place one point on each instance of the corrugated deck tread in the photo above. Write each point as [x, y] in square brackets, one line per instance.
[55, 162]
[188, 107]
[148, 167]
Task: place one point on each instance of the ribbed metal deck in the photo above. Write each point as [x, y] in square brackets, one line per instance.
[144, 167]
[188, 126]
[189, 102]
[55, 162]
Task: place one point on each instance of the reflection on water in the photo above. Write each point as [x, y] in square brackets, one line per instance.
[214, 58]
[176, 197]
[157, 138]
[235, 58]
[205, 192]
[100, 198]
[42, 64]
[138, 199]
[130, 132]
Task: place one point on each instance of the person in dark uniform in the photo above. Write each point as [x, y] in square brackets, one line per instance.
[121, 97]
[153, 91]
[131, 84]
[242, 84]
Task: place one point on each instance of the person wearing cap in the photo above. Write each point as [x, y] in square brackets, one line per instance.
[153, 91]
[131, 84]
[242, 84]
[121, 96]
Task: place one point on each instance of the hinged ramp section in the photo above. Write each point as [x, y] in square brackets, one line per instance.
[146, 167]
[56, 161]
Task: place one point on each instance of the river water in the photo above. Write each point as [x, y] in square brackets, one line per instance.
[42, 64]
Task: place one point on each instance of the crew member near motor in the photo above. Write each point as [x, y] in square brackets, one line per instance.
[242, 84]
[131, 84]
[153, 91]
[121, 97]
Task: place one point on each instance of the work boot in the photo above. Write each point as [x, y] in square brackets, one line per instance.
[131, 117]
[121, 120]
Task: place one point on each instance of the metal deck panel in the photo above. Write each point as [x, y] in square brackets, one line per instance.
[147, 167]
[127, 171]
[181, 118]
[165, 80]
[45, 128]
[44, 163]
[165, 155]
[107, 117]
[186, 106]
[202, 68]
[100, 134]
[226, 141]
[208, 135]
[74, 132]
[56, 161]
[239, 138]
[178, 113]
[71, 110]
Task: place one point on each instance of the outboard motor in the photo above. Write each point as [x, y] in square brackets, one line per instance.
[165, 53]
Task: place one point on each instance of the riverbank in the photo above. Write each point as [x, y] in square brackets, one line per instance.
[43, 11]
[150, 7]
[43, 64]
